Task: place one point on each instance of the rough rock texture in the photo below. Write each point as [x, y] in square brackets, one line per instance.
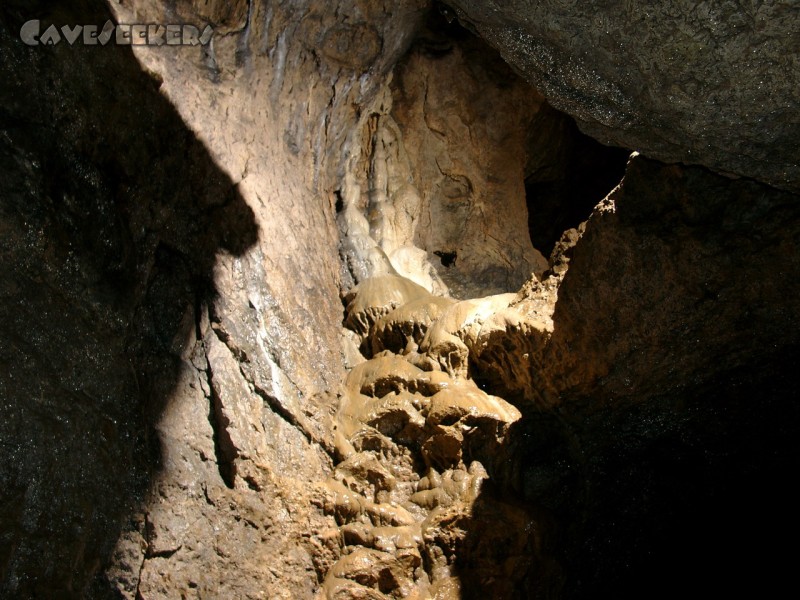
[410, 483]
[465, 116]
[707, 368]
[171, 279]
[714, 83]
[437, 191]
[655, 365]
[182, 413]
[172, 351]
[690, 273]
[671, 371]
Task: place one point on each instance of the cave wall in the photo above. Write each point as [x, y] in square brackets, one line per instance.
[464, 116]
[174, 353]
[179, 226]
[106, 254]
[714, 83]
[672, 367]
[680, 273]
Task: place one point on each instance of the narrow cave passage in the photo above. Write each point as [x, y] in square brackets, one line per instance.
[447, 317]
[295, 318]
[479, 397]
[568, 173]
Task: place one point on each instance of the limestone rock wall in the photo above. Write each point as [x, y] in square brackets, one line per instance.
[274, 99]
[174, 352]
[186, 230]
[716, 265]
[465, 117]
[437, 194]
[666, 387]
[714, 83]
[171, 236]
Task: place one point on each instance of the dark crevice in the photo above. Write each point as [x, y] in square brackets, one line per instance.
[224, 449]
[164, 553]
[339, 204]
[569, 173]
[221, 439]
[275, 406]
[448, 258]
[441, 33]
[252, 483]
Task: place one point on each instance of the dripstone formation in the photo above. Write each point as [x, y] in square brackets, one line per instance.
[345, 303]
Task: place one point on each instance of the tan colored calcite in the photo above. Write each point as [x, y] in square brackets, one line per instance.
[377, 296]
[460, 324]
[408, 441]
[468, 403]
[184, 414]
[403, 329]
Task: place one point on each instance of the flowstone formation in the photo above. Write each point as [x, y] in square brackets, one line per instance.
[434, 182]
[432, 249]
[414, 432]
[275, 324]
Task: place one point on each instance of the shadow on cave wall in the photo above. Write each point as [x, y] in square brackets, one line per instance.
[566, 176]
[690, 495]
[671, 474]
[111, 215]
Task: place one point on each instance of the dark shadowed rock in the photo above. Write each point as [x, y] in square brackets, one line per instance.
[186, 232]
[715, 83]
[680, 274]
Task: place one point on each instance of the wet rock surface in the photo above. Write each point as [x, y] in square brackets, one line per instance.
[713, 84]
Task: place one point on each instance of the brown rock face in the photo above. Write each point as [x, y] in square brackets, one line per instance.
[464, 117]
[411, 482]
[713, 84]
[672, 367]
[675, 254]
[437, 189]
[273, 325]
[172, 352]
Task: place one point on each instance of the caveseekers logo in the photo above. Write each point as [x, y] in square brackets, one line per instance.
[33, 33]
